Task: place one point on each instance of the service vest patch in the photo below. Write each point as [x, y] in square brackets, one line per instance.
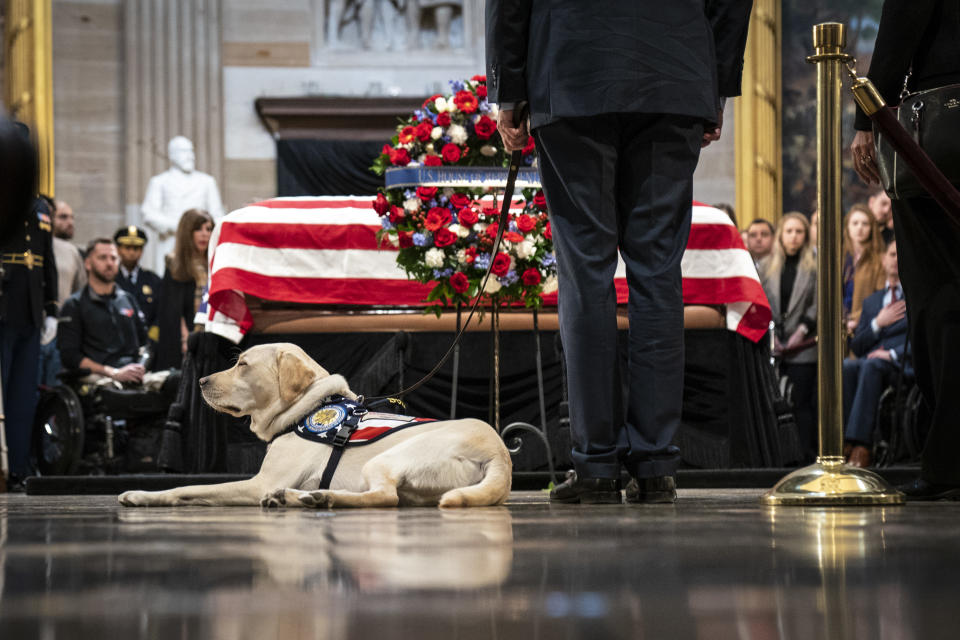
[340, 417]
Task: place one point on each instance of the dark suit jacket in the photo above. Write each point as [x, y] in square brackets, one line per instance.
[921, 33]
[865, 340]
[570, 58]
[788, 314]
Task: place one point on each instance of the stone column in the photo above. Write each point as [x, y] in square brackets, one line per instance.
[174, 86]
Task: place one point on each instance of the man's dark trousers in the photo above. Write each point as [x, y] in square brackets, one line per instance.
[864, 380]
[621, 180]
[20, 360]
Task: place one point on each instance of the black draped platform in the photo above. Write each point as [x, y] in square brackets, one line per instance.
[729, 419]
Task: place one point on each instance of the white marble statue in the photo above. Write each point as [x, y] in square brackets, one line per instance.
[169, 194]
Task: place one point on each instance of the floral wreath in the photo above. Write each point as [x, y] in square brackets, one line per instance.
[445, 235]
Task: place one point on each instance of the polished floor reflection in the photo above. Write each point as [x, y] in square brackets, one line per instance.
[716, 565]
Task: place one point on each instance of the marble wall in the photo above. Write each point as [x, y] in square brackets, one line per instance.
[128, 74]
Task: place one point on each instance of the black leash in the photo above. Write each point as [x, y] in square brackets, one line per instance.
[516, 157]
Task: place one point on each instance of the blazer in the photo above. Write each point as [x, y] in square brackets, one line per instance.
[868, 277]
[571, 58]
[802, 304]
[865, 340]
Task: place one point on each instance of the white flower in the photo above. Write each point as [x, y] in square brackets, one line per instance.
[440, 104]
[494, 111]
[429, 147]
[488, 150]
[480, 227]
[525, 249]
[421, 158]
[394, 239]
[550, 284]
[492, 285]
[458, 135]
[436, 132]
[407, 145]
[434, 257]
[412, 205]
[461, 231]
[462, 256]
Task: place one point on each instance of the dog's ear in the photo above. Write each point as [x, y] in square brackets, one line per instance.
[294, 375]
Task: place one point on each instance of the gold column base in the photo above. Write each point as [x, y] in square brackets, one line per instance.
[831, 482]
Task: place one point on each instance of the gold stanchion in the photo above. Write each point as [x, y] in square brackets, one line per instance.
[829, 481]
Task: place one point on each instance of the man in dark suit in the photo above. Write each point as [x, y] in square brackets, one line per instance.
[878, 345]
[920, 37]
[622, 95]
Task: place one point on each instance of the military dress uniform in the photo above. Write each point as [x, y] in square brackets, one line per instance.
[142, 284]
[29, 291]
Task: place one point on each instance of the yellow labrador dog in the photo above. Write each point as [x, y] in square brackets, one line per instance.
[450, 463]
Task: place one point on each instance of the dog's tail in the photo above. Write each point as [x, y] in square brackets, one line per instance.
[492, 490]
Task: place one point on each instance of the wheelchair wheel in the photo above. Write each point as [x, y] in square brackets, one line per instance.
[916, 423]
[58, 432]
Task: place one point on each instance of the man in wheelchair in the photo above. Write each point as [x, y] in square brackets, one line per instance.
[108, 414]
[879, 345]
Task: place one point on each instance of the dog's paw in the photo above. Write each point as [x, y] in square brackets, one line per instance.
[274, 500]
[133, 498]
[317, 499]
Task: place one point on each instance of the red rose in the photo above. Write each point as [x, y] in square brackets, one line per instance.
[443, 237]
[387, 149]
[443, 119]
[530, 277]
[485, 127]
[501, 264]
[482, 90]
[512, 236]
[450, 153]
[547, 233]
[397, 214]
[471, 254]
[406, 135]
[492, 229]
[468, 216]
[526, 223]
[423, 131]
[429, 101]
[478, 79]
[426, 193]
[400, 157]
[459, 200]
[459, 282]
[432, 161]
[405, 238]
[531, 145]
[381, 205]
[438, 217]
[466, 101]
[539, 200]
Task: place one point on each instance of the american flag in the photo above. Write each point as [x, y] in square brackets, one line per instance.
[323, 251]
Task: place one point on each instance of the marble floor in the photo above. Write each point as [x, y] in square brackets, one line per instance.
[715, 565]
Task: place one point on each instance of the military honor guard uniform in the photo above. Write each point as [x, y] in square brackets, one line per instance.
[142, 284]
[28, 293]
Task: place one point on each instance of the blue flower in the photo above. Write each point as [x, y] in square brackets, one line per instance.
[443, 200]
[528, 160]
[549, 260]
[442, 273]
[385, 223]
[513, 226]
[419, 114]
[456, 85]
[482, 262]
[509, 279]
[421, 239]
[409, 193]
[447, 139]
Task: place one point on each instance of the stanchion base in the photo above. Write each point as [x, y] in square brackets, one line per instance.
[831, 482]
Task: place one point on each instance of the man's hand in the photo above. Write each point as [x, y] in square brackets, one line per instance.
[796, 338]
[130, 374]
[712, 135]
[864, 162]
[49, 331]
[882, 354]
[893, 312]
[514, 138]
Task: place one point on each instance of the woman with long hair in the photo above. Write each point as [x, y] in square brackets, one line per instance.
[862, 268]
[790, 282]
[183, 282]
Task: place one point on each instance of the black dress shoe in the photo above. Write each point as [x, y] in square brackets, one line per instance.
[920, 489]
[576, 489]
[656, 490]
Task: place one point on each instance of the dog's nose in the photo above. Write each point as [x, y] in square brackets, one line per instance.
[203, 381]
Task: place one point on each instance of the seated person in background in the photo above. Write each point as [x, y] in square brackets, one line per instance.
[878, 345]
[760, 239]
[101, 327]
[142, 284]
